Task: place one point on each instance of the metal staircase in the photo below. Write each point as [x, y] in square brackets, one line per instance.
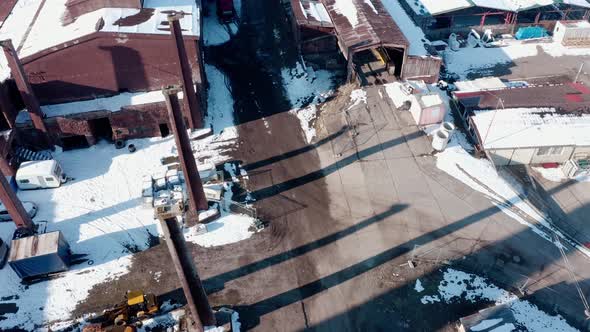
[24, 154]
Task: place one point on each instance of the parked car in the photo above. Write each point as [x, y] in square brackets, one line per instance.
[39, 174]
[225, 10]
[3, 253]
[30, 207]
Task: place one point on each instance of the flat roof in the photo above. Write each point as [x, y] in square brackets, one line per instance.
[531, 127]
[36, 25]
[360, 23]
[33, 246]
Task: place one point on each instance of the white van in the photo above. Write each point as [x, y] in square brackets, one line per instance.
[39, 174]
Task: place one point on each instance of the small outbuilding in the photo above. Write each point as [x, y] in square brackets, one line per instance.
[39, 255]
[428, 108]
[524, 136]
[573, 34]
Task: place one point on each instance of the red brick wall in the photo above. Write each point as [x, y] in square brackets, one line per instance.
[104, 64]
[139, 121]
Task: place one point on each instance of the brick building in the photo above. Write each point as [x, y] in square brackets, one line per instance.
[96, 67]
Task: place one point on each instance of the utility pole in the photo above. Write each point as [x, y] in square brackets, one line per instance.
[196, 298]
[192, 106]
[25, 89]
[194, 186]
[14, 206]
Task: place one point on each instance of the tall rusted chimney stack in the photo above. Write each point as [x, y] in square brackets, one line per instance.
[191, 104]
[196, 298]
[197, 199]
[14, 206]
[24, 87]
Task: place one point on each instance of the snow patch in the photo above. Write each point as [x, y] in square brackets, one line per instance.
[370, 4]
[220, 103]
[358, 96]
[413, 33]
[486, 324]
[458, 286]
[418, 287]
[306, 116]
[469, 60]
[304, 86]
[348, 9]
[430, 299]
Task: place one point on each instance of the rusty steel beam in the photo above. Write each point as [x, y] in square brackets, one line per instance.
[191, 104]
[24, 86]
[196, 298]
[13, 205]
[197, 199]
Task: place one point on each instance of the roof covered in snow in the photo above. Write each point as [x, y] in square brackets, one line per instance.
[480, 84]
[36, 25]
[36, 168]
[311, 12]
[437, 7]
[531, 127]
[361, 23]
[109, 104]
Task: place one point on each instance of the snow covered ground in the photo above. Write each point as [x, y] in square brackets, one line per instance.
[458, 286]
[100, 214]
[557, 175]
[220, 110]
[305, 86]
[215, 32]
[306, 118]
[468, 60]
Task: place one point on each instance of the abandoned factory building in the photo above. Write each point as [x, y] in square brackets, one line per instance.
[96, 67]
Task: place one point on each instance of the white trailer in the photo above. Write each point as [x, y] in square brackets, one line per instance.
[39, 174]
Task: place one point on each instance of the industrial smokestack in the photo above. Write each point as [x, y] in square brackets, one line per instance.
[197, 199]
[194, 116]
[14, 206]
[24, 87]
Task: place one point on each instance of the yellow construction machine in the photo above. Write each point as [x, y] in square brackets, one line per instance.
[138, 306]
[127, 315]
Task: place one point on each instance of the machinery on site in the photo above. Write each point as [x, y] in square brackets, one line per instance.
[127, 315]
[136, 307]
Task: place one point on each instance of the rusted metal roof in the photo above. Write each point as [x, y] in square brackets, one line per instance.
[371, 25]
[311, 12]
[5, 8]
[570, 97]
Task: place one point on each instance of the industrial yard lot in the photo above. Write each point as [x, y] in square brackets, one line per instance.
[337, 210]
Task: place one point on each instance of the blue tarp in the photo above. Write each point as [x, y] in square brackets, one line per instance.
[530, 33]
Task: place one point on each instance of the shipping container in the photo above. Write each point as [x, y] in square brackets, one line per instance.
[39, 255]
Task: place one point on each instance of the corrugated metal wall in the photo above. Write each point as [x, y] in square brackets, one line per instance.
[426, 68]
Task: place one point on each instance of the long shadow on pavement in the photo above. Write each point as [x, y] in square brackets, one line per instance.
[217, 283]
[293, 153]
[263, 193]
